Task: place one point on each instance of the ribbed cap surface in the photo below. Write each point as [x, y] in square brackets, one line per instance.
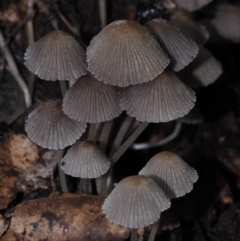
[192, 29]
[50, 128]
[172, 174]
[124, 53]
[203, 71]
[164, 99]
[180, 49]
[84, 159]
[227, 22]
[192, 5]
[135, 202]
[90, 100]
[56, 56]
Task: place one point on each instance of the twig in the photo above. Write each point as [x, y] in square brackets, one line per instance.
[14, 70]
[30, 39]
[65, 21]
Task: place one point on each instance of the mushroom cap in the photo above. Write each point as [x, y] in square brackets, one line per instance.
[227, 22]
[84, 159]
[172, 174]
[90, 100]
[56, 56]
[192, 5]
[135, 202]
[180, 49]
[203, 71]
[50, 128]
[192, 29]
[124, 53]
[164, 99]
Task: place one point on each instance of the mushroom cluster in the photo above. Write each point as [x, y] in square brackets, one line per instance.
[137, 201]
[127, 67]
[123, 54]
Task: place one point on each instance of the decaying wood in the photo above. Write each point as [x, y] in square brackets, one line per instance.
[62, 217]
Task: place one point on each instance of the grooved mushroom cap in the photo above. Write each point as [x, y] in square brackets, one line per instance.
[164, 99]
[124, 53]
[172, 174]
[84, 159]
[50, 128]
[192, 5]
[90, 100]
[180, 49]
[135, 202]
[203, 71]
[56, 56]
[227, 22]
[195, 31]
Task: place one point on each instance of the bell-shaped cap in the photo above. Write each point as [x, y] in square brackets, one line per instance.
[135, 202]
[192, 5]
[192, 29]
[56, 56]
[50, 128]
[172, 174]
[164, 99]
[90, 100]
[124, 53]
[180, 49]
[227, 22]
[203, 71]
[84, 159]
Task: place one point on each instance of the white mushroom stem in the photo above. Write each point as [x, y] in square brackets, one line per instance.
[102, 12]
[153, 231]
[164, 141]
[121, 134]
[115, 157]
[14, 70]
[105, 135]
[134, 234]
[62, 176]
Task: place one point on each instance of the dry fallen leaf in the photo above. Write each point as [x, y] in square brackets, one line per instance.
[63, 217]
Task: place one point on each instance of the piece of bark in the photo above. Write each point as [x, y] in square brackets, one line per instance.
[63, 217]
[41, 175]
[17, 154]
[3, 225]
[7, 184]
[18, 151]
